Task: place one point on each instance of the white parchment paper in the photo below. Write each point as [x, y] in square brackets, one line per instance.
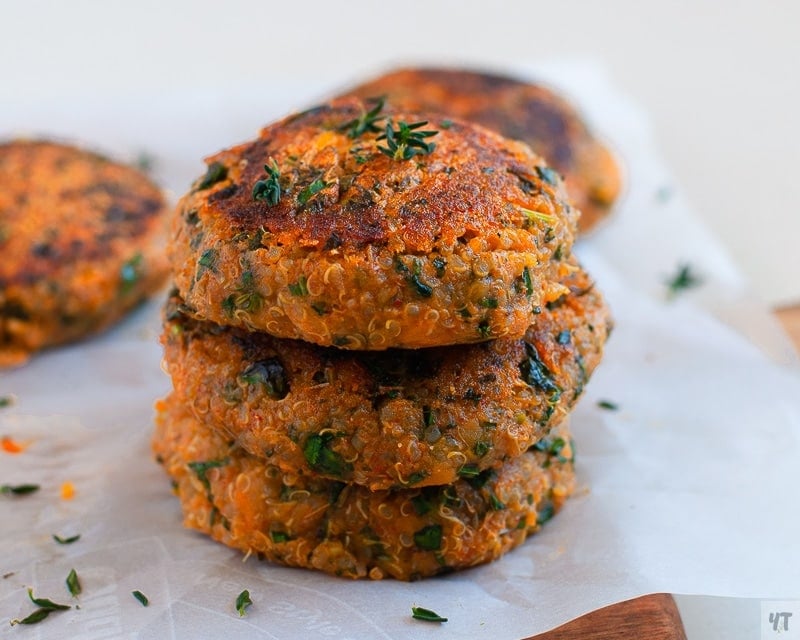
[691, 487]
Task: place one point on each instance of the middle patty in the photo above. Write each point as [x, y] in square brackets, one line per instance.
[399, 418]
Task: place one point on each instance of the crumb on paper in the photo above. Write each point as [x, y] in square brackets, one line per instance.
[67, 491]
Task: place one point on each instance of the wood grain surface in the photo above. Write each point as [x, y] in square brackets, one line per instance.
[655, 616]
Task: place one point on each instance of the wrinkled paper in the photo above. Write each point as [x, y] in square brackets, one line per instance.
[690, 487]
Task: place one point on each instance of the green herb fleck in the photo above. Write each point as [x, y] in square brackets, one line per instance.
[216, 172]
[406, 142]
[549, 175]
[545, 513]
[311, 190]
[418, 613]
[46, 607]
[484, 329]
[73, 584]
[69, 540]
[321, 457]
[564, 337]
[130, 272]
[439, 263]
[269, 373]
[6, 401]
[446, 124]
[684, 279]
[416, 477]
[279, 536]
[559, 252]
[144, 601]
[19, 489]
[469, 470]
[537, 215]
[207, 261]
[201, 468]
[482, 448]
[299, 288]
[489, 303]
[495, 502]
[422, 504]
[366, 122]
[607, 404]
[423, 289]
[242, 602]
[319, 308]
[536, 374]
[269, 189]
[246, 298]
[429, 538]
[526, 278]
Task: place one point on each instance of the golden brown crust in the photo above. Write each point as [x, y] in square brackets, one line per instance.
[351, 531]
[454, 246]
[518, 110]
[396, 418]
[82, 242]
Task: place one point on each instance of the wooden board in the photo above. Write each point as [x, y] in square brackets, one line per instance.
[655, 616]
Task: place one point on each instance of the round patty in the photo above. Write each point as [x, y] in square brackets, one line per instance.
[397, 418]
[313, 232]
[519, 110]
[348, 530]
[82, 241]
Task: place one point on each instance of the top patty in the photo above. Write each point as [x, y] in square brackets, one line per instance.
[82, 240]
[519, 110]
[320, 230]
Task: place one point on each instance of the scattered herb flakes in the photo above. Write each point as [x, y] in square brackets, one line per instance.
[140, 597]
[367, 121]
[429, 538]
[407, 141]
[546, 513]
[535, 373]
[270, 374]
[548, 175]
[18, 489]
[242, 602]
[608, 405]
[9, 445]
[207, 261]
[564, 337]
[46, 607]
[6, 401]
[269, 189]
[469, 470]
[217, 172]
[299, 288]
[482, 448]
[423, 289]
[684, 279]
[279, 536]
[526, 278]
[484, 329]
[69, 540]
[419, 613]
[201, 468]
[321, 457]
[311, 190]
[73, 584]
[446, 124]
[130, 272]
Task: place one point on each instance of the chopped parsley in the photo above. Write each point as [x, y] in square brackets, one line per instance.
[299, 288]
[242, 602]
[608, 405]
[321, 457]
[419, 613]
[69, 540]
[270, 374]
[311, 190]
[140, 597]
[429, 538]
[549, 175]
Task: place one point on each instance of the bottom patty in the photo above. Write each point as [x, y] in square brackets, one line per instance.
[350, 531]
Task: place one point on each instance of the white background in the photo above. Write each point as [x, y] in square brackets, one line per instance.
[719, 79]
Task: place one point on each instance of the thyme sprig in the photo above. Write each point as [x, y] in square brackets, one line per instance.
[685, 278]
[367, 121]
[406, 141]
[269, 188]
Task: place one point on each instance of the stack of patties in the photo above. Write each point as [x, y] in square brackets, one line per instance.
[377, 331]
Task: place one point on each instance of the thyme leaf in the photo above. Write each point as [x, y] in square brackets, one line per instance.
[366, 122]
[684, 279]
[242, 602]
[19, 489]
[419, 613]
[73, 584]
[269, 189]
[69, 540]
[140, 597]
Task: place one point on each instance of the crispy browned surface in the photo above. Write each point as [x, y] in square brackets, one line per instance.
[348, 530]
[82, 243]
[519, 110]
[456, 246]
[396, 418]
